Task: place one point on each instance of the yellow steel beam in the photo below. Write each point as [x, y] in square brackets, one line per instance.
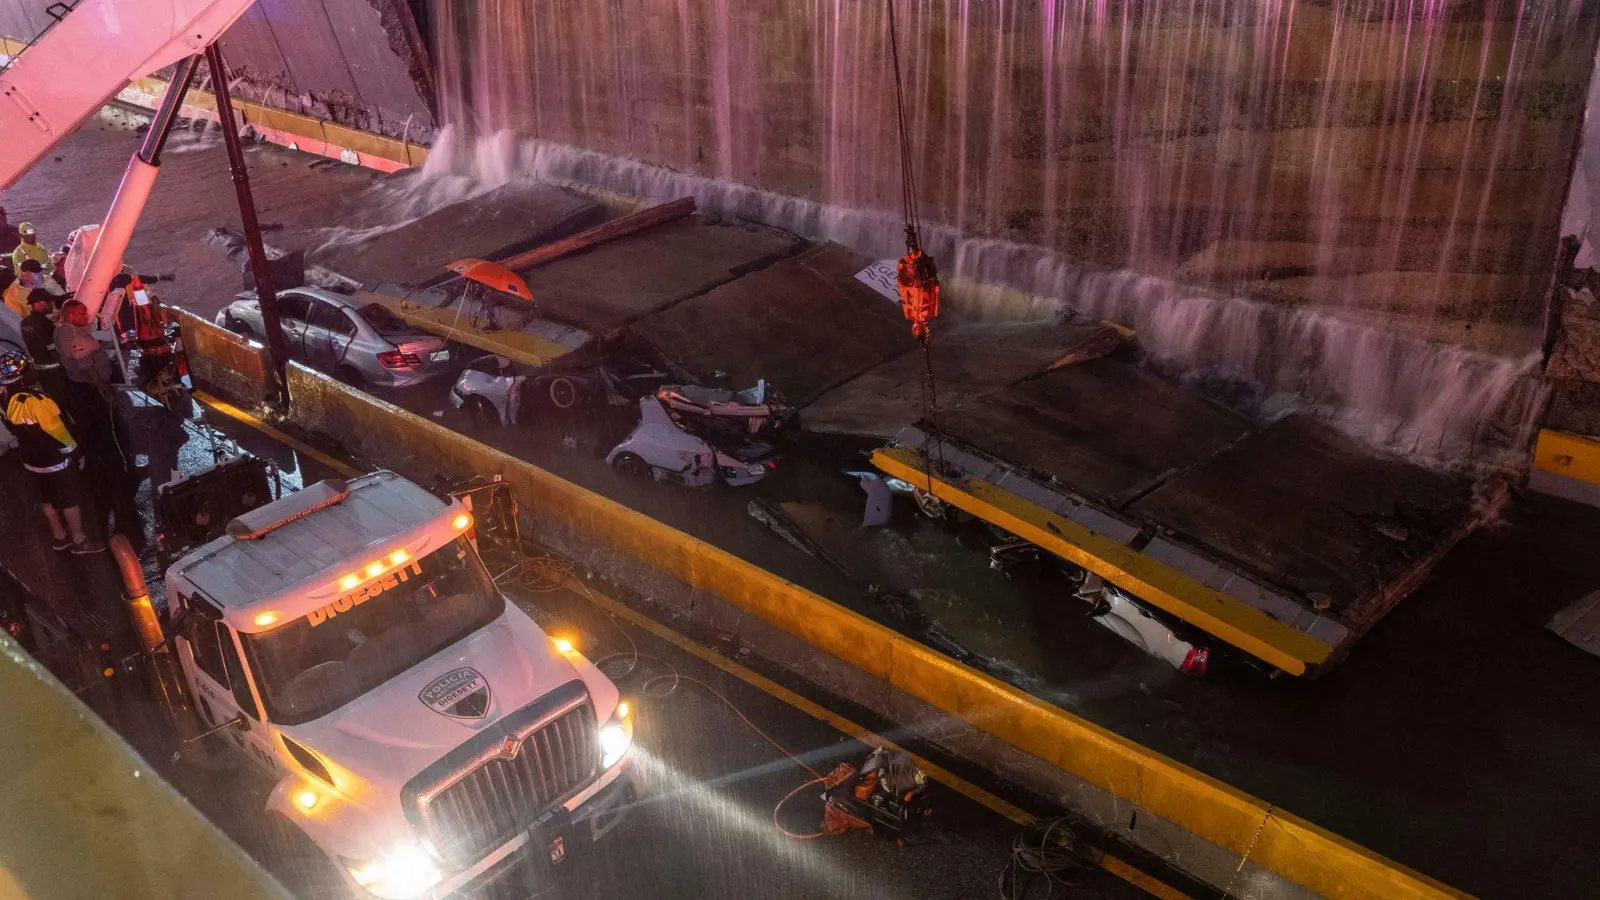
[1570, 455]
[1216, 613]
[519, 346]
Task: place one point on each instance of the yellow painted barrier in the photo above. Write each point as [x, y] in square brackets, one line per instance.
[287, 128]
[85, 816]
[1244, 825]
[225, 360]
[1569, 455]
[1236, 622]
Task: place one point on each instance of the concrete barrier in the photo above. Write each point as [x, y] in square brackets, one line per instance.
[86, 816]
[1248, 828]
[224, 360]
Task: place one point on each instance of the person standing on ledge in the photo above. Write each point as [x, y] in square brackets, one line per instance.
[48, 452]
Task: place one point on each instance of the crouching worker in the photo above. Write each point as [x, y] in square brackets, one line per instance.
[48, 451]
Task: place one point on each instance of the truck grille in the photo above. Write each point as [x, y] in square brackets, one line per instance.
[487, 791]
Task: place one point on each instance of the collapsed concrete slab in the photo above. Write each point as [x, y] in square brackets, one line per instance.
[621, 281]
[510, 218]
[805, 324]
[972, 361]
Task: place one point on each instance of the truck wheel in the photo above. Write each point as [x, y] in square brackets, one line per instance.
[632, 465]
[299, 864]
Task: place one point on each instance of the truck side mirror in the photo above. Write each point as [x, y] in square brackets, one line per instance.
[182, 622]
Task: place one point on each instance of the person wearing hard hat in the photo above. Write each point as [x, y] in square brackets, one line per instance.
[30, 248]
[30, 277]
[49, 452]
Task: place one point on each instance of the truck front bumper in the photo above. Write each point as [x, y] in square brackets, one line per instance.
[529, 864]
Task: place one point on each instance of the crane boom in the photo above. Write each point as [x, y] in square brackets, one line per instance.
[89, 55]
[73, 69]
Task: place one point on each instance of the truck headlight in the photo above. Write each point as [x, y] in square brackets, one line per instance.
[405, 871]
[615, 739]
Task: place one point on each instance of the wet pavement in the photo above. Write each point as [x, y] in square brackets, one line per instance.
[1457, 740]
[703, 827]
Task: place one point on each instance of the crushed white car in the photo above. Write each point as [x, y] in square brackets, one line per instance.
[663, 446]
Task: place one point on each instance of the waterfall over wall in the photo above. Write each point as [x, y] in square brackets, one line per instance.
[1269, 189]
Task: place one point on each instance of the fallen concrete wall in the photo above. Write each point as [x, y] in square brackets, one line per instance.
[357, 63]
[1171, 808]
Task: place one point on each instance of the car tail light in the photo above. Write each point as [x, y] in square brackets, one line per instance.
[772, 464]
[1194, 665]
[394, 359]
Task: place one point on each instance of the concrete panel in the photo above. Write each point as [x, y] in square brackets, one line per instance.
[510, 218]
[370, 52]
[805, 325]
[1106, 429]
[971, 362]
[623, 280]
[251, 50]
[311, 50]
[1304, 508]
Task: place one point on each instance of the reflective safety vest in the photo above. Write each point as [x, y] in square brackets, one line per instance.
[149, 321]
[35, 421]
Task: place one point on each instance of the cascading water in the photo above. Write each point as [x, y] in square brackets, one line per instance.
[1294, 159]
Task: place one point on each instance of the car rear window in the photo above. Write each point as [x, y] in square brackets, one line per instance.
[382, 320]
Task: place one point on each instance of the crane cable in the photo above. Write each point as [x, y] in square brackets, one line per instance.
[918, 268]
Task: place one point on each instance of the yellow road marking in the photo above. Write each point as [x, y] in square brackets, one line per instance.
[938, 773]
[299, 446]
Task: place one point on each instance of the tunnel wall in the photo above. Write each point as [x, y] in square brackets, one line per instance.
[1409, 159]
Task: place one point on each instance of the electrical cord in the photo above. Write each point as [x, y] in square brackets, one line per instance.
[546, 573]
[1046, 851]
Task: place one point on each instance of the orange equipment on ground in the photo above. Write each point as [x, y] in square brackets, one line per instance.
[919, 290]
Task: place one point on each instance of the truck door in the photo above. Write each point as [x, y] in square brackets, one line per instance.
[210, 654]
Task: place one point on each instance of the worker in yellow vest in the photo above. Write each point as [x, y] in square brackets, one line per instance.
[30, 248]
[49, 453]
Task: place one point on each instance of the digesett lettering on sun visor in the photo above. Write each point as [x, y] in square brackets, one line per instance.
[360, 595]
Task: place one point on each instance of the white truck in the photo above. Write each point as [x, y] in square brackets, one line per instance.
[425, 738]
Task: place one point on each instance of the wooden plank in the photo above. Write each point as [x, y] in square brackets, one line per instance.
[606, 231]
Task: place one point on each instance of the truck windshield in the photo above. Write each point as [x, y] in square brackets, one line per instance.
[320, 662]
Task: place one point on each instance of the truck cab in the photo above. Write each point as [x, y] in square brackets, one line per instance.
[421, 731]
